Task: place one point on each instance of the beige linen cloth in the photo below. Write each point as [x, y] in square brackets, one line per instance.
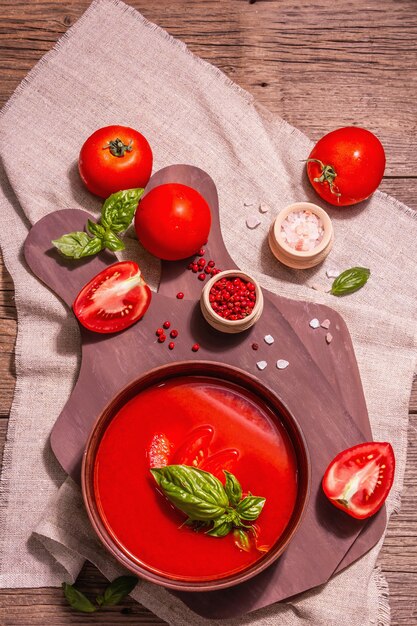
[115, 67]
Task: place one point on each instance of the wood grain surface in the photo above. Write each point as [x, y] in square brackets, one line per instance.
[319, 65]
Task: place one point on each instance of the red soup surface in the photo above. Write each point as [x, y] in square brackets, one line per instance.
[208, 423]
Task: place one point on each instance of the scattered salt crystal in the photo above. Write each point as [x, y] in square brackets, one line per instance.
[269, 339]
[263, 207]
[325, 324]
[314, 323]
[329, 337]
[332, 273]
[282, 364]
[320, 287]
[261, 365]
[252, 221]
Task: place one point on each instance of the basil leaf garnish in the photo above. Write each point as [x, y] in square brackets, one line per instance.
[77, 245]
[250, 507]
[78, 600]
[241, 539]
[209, 506]
[221, 527]
[232, 488]
[119, 208]
[118, 589]
[350, 281]
[195, 492]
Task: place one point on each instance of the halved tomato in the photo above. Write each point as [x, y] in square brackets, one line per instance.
[359, 479]
[194, 449]
[223, 460]
[114, 299]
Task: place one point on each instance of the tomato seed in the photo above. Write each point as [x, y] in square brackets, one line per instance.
[167, 324]
[171, 345]
[195, 347]
[180, 295]
[174, 333]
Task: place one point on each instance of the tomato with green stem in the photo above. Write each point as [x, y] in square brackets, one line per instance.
[114, 299]
[359, 479]
[346, 166]
[115, 158]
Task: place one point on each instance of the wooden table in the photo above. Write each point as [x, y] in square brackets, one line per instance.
[319, 65]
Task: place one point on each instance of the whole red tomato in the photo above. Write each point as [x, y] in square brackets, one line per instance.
[346, 166]
[172, 221]
[115, 158]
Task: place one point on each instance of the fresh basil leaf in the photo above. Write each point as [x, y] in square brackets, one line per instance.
[350, 281]
[232, 488]
[112, 241]
[250, 507]
[221, 527]
[119, 208]
[76, 245]
[78, 600]
[96, 229]
[197, 493]
[119, 589]
[241, 539]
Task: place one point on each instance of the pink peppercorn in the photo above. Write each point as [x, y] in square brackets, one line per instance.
[173, 333]
[161, 338]
[171, 345]
[201, 276]
[166, 324]
[195, 347]
[180, 295]
[233, 298]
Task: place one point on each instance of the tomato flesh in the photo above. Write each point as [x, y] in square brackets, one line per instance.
[159, 451]
[104, 173]
[357, 158]
[359, 479]
[114, 299]
[173, 221]
[194, 448]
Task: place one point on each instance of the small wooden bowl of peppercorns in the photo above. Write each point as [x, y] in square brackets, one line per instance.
[232, 301]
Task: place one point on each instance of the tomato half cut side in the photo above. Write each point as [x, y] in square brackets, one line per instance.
[223, 460]
[114, 299]
[194, 449]
[359, 479]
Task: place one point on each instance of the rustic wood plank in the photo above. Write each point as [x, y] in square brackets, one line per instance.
[316, 71]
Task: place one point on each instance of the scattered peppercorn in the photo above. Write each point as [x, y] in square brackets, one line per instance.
[173, 333]
[255, 346]
[195, 347]
[171, 345]
[180, 295]
[166, 324]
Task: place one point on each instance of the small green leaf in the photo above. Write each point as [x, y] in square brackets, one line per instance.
[78, 600]
[119, 208]
[241, 539]
[112, 241]
[350, 281]
[197, 493]
[250, 508]
[221, 527]
[119, 589]
[100, 600]
[232, 488]
[96, 229]
[77, 245]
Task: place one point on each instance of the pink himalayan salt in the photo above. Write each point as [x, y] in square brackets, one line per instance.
[302, 230]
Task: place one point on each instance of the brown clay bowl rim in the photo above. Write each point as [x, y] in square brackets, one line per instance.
[223, 372]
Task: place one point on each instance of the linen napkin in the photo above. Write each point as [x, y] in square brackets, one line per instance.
[191, 113]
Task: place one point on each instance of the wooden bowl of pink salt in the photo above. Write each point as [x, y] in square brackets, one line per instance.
[301, 235]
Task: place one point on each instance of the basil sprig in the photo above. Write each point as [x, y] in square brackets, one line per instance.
[116, 215]
[209, 505]
[113, 594]
[350, 281]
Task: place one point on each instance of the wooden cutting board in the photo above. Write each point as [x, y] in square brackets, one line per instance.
[321, 387]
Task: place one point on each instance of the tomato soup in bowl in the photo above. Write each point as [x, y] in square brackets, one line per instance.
[211, 420]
